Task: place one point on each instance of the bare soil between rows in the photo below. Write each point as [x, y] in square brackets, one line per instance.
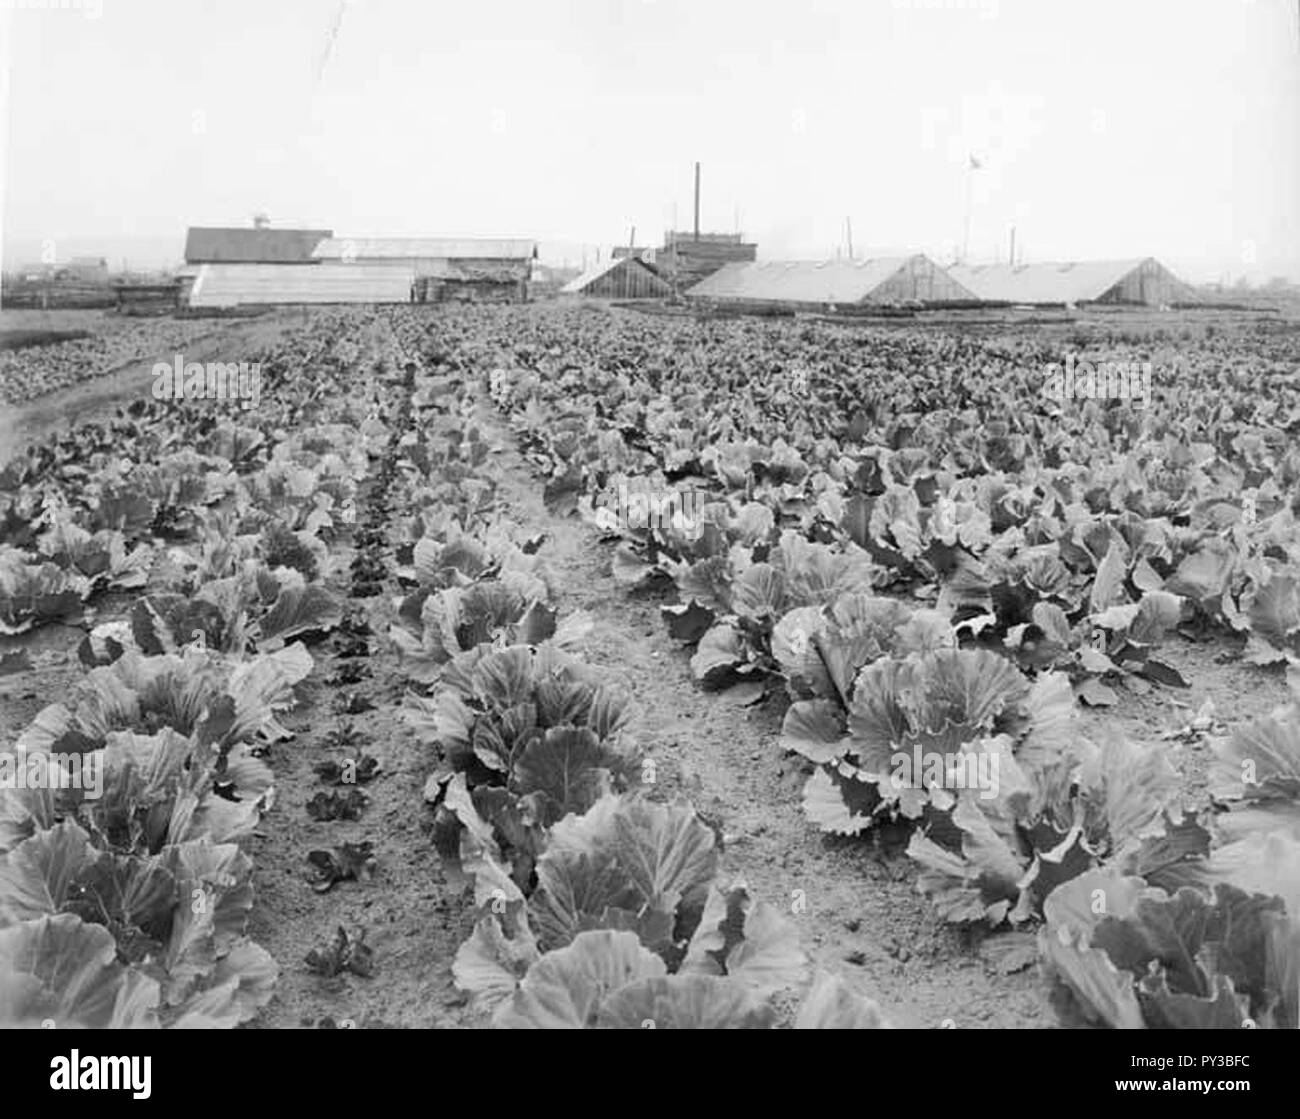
[97, 398]
[854, 901]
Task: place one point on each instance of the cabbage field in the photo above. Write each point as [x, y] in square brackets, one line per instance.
[565, 667]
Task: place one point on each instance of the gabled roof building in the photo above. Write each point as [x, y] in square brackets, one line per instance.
[878, 281]
[625, 277]
[1140, 280]
[313, 266]
[251, 245]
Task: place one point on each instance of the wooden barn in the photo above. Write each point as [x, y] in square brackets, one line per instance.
[229, 266]
[622, 278]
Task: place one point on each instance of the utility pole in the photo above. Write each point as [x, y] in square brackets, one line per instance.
[697, 200]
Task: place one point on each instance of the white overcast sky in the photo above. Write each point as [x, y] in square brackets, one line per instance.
[1105, 128]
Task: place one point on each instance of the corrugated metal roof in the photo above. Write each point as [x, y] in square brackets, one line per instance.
[217, 245]
[229, 285]
[447, 248]
[1077, 282]
[800, 281]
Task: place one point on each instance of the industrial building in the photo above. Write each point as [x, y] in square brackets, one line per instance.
[687, 258]
[839, 283]
[1135, 281]
[625, 277]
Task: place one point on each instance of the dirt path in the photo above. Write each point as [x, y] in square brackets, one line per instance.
[408, 919]
[97, 397]
[857, 905]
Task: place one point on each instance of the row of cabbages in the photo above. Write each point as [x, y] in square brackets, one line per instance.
[597, 906]
[1045, 555]
[30, 372]
[124, 892]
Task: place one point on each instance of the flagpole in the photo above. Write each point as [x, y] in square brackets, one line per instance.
[965, 238]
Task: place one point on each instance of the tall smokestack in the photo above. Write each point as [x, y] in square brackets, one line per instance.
[697, 201]
[1012, 259]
